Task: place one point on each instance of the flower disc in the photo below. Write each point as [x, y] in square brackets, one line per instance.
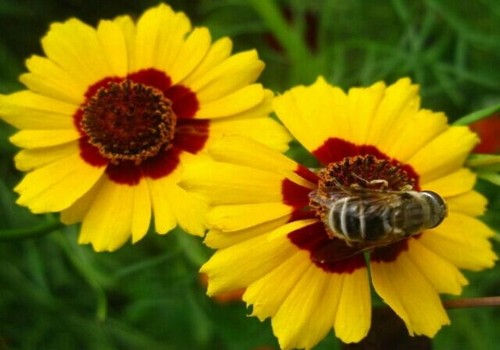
[129, 121]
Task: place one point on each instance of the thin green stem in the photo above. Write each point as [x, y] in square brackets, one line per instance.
[478, 115]
[78, 259]
[289, 36]
[479, 160]
[35, 231]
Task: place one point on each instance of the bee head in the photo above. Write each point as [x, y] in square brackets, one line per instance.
[437, 207]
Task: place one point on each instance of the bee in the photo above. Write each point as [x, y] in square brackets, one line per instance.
[367, 218]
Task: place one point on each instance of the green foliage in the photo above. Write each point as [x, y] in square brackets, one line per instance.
[55, 294]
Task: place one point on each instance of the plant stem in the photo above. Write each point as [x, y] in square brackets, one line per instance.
[472, 302]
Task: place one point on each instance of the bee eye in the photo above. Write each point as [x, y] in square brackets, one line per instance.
[436, 205]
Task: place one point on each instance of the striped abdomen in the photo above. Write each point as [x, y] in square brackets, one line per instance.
[384, 216]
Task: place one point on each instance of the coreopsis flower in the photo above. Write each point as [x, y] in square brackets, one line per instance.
[111, 115]
[281, 229]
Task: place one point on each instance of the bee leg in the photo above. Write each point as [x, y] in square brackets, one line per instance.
[382, 182]
[334, 235]
[349, 244]
[331, 234]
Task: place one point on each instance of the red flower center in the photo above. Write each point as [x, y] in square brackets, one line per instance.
[358, 174]
[137, 126]
[129, 121]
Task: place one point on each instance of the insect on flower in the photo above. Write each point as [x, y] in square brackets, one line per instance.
[366, 218]
[302, 237]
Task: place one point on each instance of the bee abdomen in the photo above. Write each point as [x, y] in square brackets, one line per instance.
[410, 216]
[382, 217]
[352, 219]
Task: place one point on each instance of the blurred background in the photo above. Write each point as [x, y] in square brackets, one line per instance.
[55, 294]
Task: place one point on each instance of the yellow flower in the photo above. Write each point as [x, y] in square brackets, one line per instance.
[112, 114]
[273, 238]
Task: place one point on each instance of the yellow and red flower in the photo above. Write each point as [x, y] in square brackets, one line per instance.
[271, 239]
[112, 113]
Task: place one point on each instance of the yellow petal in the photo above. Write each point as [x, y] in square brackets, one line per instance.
[399, 104]
[224, 183]
[162, 208]
[463, 234]
[58, 185]
[443, 155]
[239, 217]
[313, 114]
[289, 227]
[75, 47]
[107, 224]
[240, 100]
[44, 138]
[263, 130]
[136, 224]
[217, 53]
[267, 294]
[114, 47]
[27, 110]
[77, 211]
[401, 284]
[353, 316]
[192, 52]
[189, 210]
[219, 239]
[455, 183]
[254, 258]
[470, 203]
[411, 133]
[29, 159]
[331, 300]
[307, 301]
[361, 108]
[468, 226]
[51, 80]
[141, 210]
[159, 37]
[230, 75]
[260, 110]
[246, 152]
[128, 29]
[441, 274]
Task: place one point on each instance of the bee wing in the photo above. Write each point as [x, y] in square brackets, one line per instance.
[326, 199]
[376, 204]
[377, 197]
[335, 250]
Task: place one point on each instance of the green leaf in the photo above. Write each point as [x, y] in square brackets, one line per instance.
[478, 115]
[484, 162]
[38, 230]
[192, 246]
[492, 177]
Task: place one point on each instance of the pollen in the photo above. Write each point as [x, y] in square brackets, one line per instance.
[129, 121]
[361, 172]
[366, 171]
